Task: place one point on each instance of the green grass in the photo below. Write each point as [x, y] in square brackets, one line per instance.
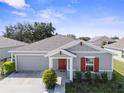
[119, 70]
[114, 86]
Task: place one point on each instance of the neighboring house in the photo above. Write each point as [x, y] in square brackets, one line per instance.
[100, 40]
[63, 54]
[7, 44]
[117, 48]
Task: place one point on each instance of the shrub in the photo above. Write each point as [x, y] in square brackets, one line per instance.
[8, 67]
[96, 77]
[114, 76]
[88, 75]
[120, 85]
[49, 78]
[78, 76]
[104, 77]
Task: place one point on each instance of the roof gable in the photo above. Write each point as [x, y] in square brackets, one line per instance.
[82, 47]
[76, 42]
[60, 53]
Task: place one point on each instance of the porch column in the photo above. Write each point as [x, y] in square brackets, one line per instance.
[50, 62]
[12, 56]
[71, 69]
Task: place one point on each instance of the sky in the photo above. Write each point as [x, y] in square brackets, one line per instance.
[79, 17]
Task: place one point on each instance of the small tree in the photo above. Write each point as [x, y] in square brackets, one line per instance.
[49, 78]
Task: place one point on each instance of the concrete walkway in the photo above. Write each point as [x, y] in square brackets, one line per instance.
[61, 80]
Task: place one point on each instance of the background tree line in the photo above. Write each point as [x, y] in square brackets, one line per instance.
[29, 33]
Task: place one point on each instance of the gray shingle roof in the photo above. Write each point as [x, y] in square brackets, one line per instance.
[98, 40]
[6, 42]
[119, 45]
[47, 44]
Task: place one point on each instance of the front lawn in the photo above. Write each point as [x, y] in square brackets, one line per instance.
[114, 86]
[119, 70]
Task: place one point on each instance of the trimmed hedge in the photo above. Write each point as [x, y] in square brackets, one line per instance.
[8, 67]
[49, 78]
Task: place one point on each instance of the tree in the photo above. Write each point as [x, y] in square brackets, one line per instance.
[29, 32]
[84, 38]
[71, 36]
[103, 44]
[115, 38]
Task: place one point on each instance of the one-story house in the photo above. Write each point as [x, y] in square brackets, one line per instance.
[7, 44]
[63, 53]
[117, 48]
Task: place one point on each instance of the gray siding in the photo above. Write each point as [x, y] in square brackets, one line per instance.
[4, 52]
[81, 48]
[58, 55]
[55, 64]
[32, 63]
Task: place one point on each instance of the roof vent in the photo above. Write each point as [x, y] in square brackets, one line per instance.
[60, 52]
[81, 43]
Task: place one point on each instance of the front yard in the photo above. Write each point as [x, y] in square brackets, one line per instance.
[114, 86]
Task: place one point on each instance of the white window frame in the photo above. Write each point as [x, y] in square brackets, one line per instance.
[86, 64]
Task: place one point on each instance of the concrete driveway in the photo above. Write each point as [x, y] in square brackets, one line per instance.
[23, 83]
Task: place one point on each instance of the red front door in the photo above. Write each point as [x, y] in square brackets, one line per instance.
[62, 64]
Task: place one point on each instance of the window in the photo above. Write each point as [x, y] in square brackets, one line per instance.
[90, 64]
[122, 54]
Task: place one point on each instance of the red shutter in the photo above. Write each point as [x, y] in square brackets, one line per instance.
[83, 64]
[96, 64]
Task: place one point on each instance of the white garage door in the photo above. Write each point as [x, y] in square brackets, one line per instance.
[32, 63]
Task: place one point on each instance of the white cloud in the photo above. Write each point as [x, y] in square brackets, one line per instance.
[50, 13]
[18, 4]
[19, 13]
[55, 15]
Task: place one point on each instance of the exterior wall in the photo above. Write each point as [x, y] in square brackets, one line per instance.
[32, 63]
[4, 52]
[81, 48]
[55, 64]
